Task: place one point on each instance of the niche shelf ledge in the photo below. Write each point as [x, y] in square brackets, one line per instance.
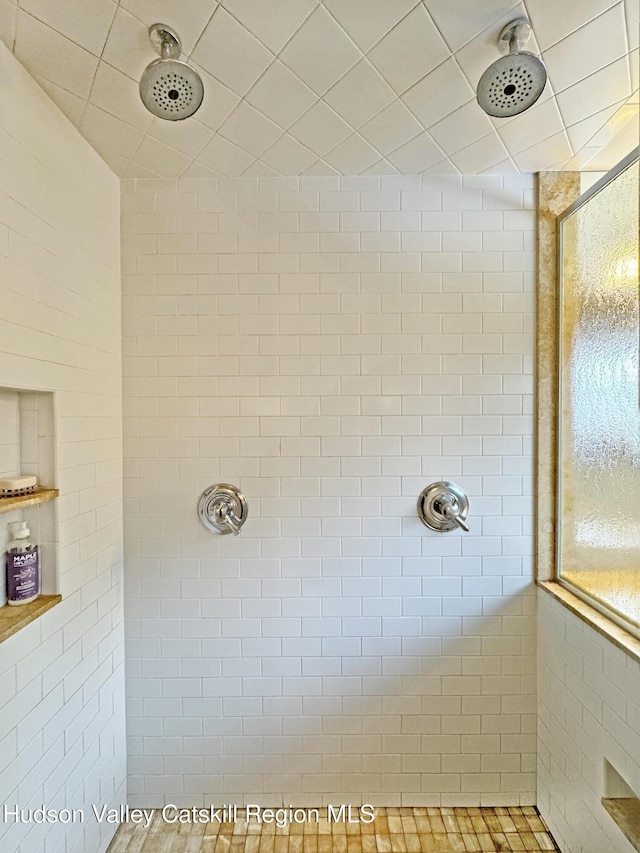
[12, 619]
[626, 813]
[38, 497]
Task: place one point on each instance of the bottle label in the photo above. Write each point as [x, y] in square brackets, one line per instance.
[23, 569]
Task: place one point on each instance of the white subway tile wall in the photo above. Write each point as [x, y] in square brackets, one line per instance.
[62, 696]
[9, 433]
[589, 708]
[330, 345]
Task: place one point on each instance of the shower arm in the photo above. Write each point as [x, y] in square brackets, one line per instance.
[516, 42]
[514, 37]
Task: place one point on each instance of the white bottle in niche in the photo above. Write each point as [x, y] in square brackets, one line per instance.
[23, 566]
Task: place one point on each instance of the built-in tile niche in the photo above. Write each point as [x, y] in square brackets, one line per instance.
[27, 446]
[622, 803]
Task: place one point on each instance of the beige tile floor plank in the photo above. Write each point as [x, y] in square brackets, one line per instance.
[393, 830]
[427, 844]
[457, 842]
[471, 843]
[136, 841]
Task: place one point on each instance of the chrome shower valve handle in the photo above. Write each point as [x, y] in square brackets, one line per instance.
[224, 515]
[443, 506]
[449, 507]
[223, 509]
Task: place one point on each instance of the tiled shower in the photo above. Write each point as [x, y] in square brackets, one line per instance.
[331, 344]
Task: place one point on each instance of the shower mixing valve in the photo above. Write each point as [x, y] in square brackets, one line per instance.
[443, 506]
[223, 509]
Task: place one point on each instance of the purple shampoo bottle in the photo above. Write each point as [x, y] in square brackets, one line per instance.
[23, 566]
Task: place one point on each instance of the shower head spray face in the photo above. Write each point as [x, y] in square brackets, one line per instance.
[169, 88]
[514, 82]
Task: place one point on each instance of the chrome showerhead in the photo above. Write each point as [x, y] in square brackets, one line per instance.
[169, 88]
[514, 82]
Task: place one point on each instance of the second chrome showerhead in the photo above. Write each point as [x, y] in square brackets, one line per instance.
[514, 82]
[169, 88]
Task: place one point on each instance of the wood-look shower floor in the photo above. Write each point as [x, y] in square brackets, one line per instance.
[394, 830]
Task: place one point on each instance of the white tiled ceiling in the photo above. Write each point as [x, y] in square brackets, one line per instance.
[336, 86]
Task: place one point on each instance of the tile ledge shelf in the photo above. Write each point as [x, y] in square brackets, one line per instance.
[625, 811]
[598, 621]
[41, 495]
[13, 618]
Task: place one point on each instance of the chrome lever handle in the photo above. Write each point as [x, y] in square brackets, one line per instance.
[225, 515]
[452, 515]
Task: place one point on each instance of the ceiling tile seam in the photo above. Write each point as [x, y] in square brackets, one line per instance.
[266, 166]
[144, 133]
[407, 141]
[488, 171]
[12, 47]
[271, 121]
[66, 37]
[510, 154]
[384, 35]
[95, 74]
[348, 36]
[342, 141]
[395, 26]
[194, 158]
[561, 165]
[602, 126]
[401, 96]
[249, 153]
[202, 31]
[429, 170]
[583, 24]
[285, 131]
[302, 145]
[562, 132]
[475, 36]
[362, 124]
[498, 122]
[135, 150]
[382, 160]
[243, 98]
[477, 139]
[627, 28]
[599, 71]
[38, 77]
[258, 38]
[623, 54]
[442, 35]
[513, 120]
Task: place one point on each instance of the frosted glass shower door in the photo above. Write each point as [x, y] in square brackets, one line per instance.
[599, 429]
